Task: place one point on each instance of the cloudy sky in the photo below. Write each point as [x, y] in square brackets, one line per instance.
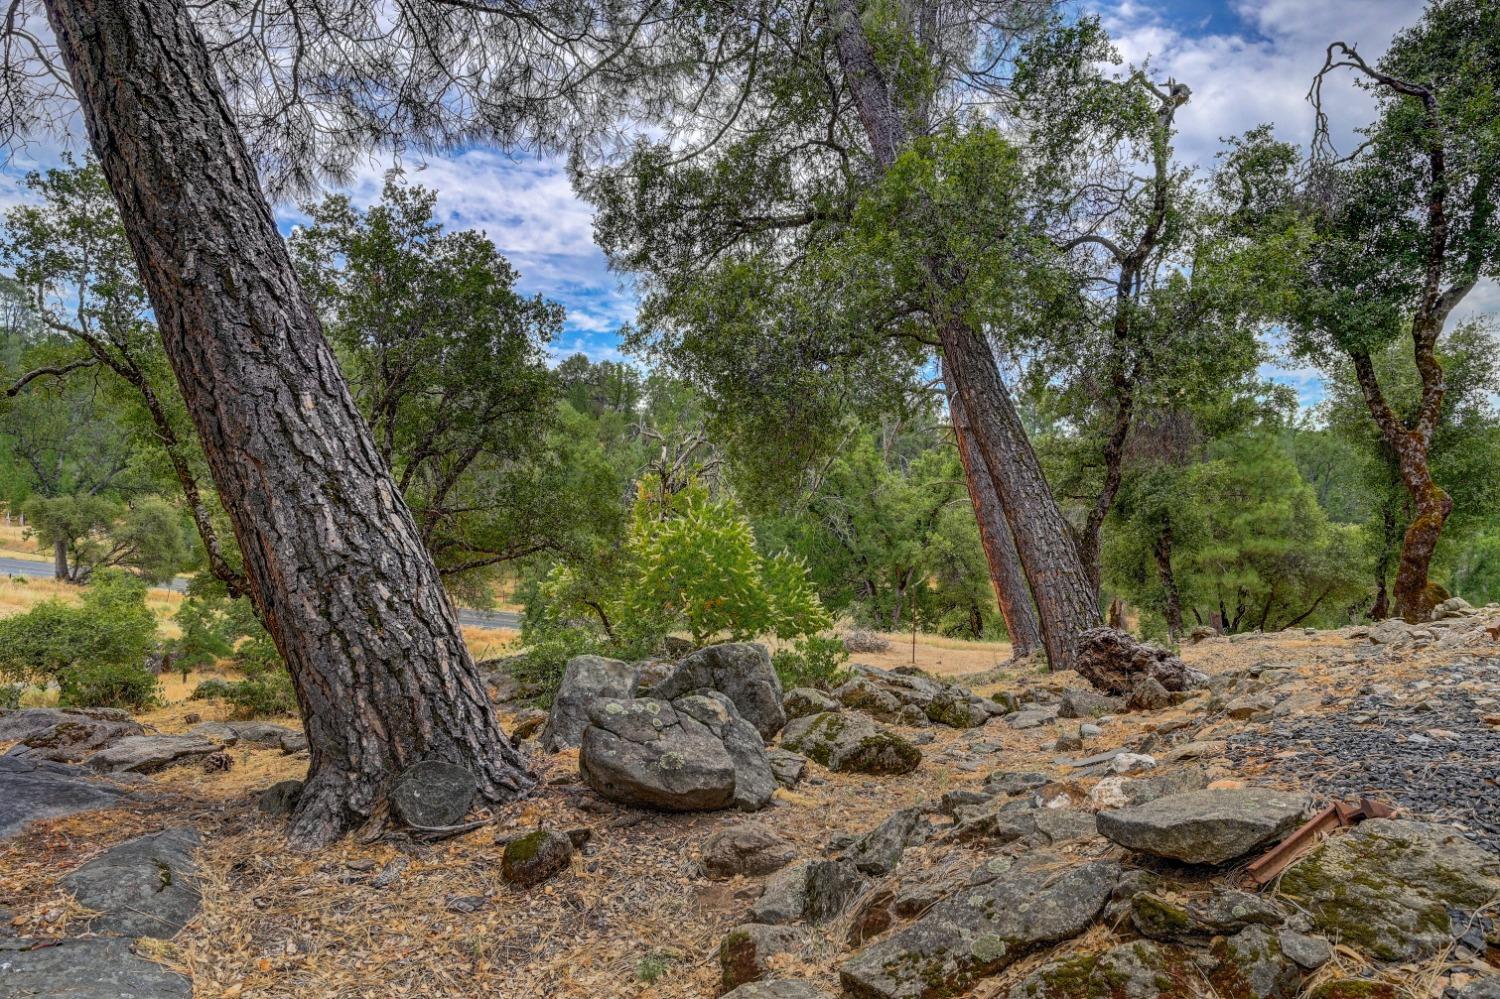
[1247, 61]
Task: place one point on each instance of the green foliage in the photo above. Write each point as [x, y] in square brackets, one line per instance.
[10, 696]
[97, 533]
[95, 652]
[263, 693]
[108, 685]
[813, 661]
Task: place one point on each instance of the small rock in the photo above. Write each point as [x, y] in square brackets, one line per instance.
[800, 702]
[1310, 953]
[1148, 695]
[787, 767]
[1129, 763]
[851, 743]
[814, 891]
[432, 794]
[746, 848]
[527, 724]
[535, 857]
[280, 798]
[747, 950]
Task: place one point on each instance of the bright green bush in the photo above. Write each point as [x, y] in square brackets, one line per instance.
[263, 694]
[814, 661]
[112, 628]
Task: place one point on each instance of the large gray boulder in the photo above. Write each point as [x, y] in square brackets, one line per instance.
[586, 681]
[144, 887]
[146, 754]
[741, 672]
[40, 789]
[65, 735]
[88, 968]
[1009, 909]
[1397, 890]
[849, 742]
[1205, 827]
[694, 754]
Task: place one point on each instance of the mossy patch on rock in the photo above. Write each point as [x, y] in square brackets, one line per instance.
[1387, 886]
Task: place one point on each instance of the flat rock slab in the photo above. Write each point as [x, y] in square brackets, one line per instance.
[38, 789]
[93, 968]
[145, 887]
[1208, 826]
[777, 990]
[65, 735]
[1008, 910]
[146, 754]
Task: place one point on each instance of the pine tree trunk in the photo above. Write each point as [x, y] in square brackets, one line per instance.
[1065, 602]
[332, 556]
[995, 537]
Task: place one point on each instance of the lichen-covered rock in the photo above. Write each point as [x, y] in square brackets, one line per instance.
[1251, 964]
[531, 859]
[813, 892]
[64, 735]
[786, 989]
[433, 793]
[695, 754]
[741, 672]
[880, 850]
[955, 709]
[586, 680]
[1009, 909]
[747, 951]
[144, 887]
[1138, 970]
[747, 848]
[800, 702]
[1225, 911]
[145, 754]
[861, 694]
[1205, 827]
[846, 742]
[1391, 887]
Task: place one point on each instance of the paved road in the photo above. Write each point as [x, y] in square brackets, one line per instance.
[472, 618]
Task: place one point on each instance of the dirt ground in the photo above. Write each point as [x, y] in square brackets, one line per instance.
[634, 917]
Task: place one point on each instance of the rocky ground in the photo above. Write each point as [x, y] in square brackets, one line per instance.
[1021, 835]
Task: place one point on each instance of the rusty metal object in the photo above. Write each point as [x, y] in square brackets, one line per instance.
[1336, 816]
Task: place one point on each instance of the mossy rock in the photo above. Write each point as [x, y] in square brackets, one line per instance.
[1137, 970]
[535, 857]
[851, 743]
[1352, 988]
[1388, 886]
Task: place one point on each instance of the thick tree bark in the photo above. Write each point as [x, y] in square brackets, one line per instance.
[60, 560]
[994, 535]
[1065, 600]
[332, 556]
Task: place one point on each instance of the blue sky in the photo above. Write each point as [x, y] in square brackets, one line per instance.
[1247, 61]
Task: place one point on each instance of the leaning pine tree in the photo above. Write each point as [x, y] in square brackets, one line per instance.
[332, 556]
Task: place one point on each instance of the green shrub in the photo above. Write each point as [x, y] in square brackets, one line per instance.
[108, 685]
[113, 627]
[262, 695]
[814, 661]
[210, 690]
[10, 696]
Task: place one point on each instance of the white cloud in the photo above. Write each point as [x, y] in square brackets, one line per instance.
[1261, 74]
